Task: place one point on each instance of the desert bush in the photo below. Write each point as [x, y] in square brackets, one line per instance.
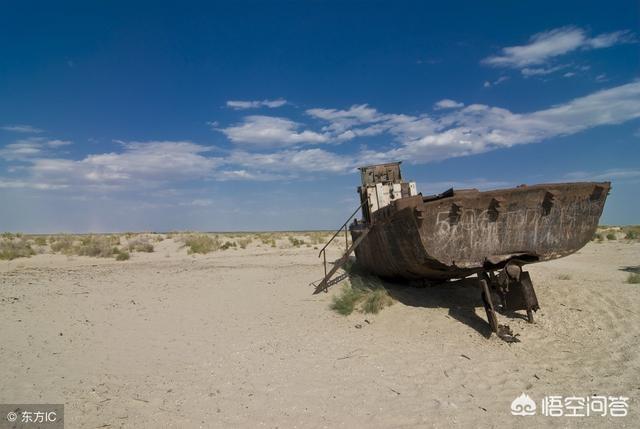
[12, 248]
[295, 242]
[122, 255]
[228, 245]
[96, 245]
[201, 243]
[633, 278]
[62, 244]
[40, 240]
[632, 232]
[564, 277]
[140, 244]
[318, 237]
[363, 292]
[611, 236]
[244, 242]
[345, 302]
[375, 300]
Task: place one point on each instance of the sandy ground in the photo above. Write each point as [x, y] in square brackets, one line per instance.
[236, 339]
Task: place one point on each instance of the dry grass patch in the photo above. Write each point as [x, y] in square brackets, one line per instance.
[62, 244]
[363, 292]
[632, 232]
[101, 246]
[121, 255]
[140, 244]
[14, 246]
[244, 242]
[295, 242]
[633, 278]
[564, 277]
[202, 243]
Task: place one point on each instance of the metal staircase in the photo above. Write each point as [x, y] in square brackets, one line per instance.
[327, 281]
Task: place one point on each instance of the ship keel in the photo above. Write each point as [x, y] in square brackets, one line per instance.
[514, 292]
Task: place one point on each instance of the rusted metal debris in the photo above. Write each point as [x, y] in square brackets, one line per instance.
[493, 234]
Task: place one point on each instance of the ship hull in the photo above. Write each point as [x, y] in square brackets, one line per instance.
[465, 232]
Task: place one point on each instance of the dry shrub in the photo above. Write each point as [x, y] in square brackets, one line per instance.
[14, 247]
[632, 232]
[140, 244]
[96, 245]
[318, 237]
[244, 242]
[62, 244]
[228, 245]
[363, 292]
[633, 278]
[121, 255]
[295, 242]
[40, 240]
[202, 243]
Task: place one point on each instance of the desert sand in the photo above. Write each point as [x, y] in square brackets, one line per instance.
[235, 338]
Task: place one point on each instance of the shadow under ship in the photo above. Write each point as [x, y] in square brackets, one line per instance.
[405, 235]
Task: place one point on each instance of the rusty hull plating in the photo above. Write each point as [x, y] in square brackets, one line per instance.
[462, 232]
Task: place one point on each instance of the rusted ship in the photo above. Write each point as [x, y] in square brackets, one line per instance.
[493, 234]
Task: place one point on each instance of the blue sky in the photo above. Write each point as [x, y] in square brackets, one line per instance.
[253, 115]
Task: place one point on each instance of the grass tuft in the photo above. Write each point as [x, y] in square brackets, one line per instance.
[564, 277]
[122, 255]
[14, 247]
[228, 245]
[633, 278]
[611, 236]
[202, 243]
[295, 242]
[363, 292]
[96, 245]
[345, 302]
[376, 300]
[140, 244]
[244, 242]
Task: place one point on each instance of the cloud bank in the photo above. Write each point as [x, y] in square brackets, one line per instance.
[266, 148]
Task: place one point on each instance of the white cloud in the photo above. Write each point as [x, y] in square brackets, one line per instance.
[541, 71]
[447, 104]
[498, 81]
[141, 163]
[479, 128]
[255, 104]
[30, 147]
[545, 46]
[270, 131]
[452, 132]
[26, 184]
[28, 129]
[357, 121]
[58, 143]
[21, 149]
[288, 162]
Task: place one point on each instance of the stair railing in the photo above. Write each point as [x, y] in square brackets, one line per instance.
[323, 252]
